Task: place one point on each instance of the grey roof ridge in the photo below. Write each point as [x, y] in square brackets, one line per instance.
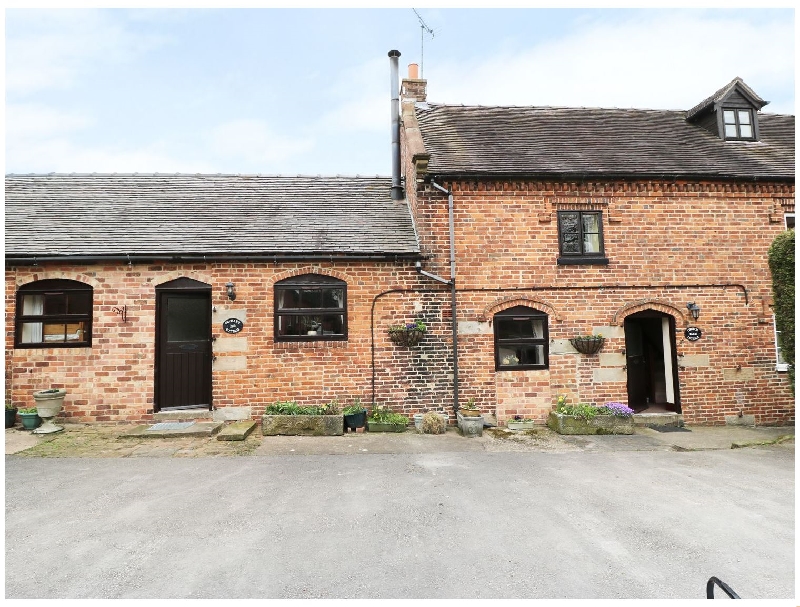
[156, 174]
[722, 92]
[552, 107]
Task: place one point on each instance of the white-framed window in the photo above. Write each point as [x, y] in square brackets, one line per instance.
[788, 221]
[738, 124]
[780, 362]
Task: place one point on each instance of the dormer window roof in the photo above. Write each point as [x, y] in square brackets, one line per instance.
[731, 113]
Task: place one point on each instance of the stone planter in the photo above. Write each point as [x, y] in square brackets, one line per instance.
[418, 421]
[48, 405]
[600, 424]
[378, 427]
[470, 426]
[470, 412]
[302, 425]
[514, 424]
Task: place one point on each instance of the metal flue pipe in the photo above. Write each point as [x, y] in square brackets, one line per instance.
[397, 188]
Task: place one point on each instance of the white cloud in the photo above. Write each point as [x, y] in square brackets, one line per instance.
[48, 49]
[663, 60]
[254, 143]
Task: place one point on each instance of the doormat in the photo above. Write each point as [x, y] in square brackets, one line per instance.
[170, 426]
[668, 428]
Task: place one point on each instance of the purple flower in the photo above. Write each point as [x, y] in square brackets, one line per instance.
[618, 409]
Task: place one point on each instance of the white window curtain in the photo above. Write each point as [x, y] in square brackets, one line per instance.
[32, 305]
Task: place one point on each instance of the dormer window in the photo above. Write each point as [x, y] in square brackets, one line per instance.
[738, 124]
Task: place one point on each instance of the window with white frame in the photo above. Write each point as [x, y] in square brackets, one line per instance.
[780, 361]
[788, 221]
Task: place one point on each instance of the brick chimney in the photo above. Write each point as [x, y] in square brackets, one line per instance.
[413, 88]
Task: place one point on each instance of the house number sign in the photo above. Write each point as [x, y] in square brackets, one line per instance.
[232, 325]
[693, 333]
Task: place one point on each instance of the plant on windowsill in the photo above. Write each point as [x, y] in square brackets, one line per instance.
[588, 344]
[583, 418]
[409, 334]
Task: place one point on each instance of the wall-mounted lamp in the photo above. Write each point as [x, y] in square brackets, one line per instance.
[230, 291]
[694, 309]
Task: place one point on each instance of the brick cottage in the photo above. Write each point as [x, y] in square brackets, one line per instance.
[508, 231]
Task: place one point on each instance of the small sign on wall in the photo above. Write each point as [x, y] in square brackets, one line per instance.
[693, 333]
[232, 325]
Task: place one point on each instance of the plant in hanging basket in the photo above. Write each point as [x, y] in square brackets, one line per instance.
[409, 334]
[588, 344]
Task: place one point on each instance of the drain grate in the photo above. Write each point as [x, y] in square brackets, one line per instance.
[668, 428]
[170, 426]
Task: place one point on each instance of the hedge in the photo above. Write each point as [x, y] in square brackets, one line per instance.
[781, 265]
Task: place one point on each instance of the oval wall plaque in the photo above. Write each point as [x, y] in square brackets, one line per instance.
[693, 333]
[232, 325]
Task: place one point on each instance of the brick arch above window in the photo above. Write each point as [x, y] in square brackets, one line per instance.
[649, 304]
[509, 302]
[311, 270]
[58, 275]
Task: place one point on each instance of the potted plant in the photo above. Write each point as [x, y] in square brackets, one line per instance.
[289, 418]
[409, 334]
[520, 423]
[30, 419]
[432, 423]
[355, 415]
[11, 415]
[470, 420]
[48, 404]
[588, 344]
[584, 418]
[383, 419]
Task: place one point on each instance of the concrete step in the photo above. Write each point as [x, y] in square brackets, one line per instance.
[182, 415]
[175, 429]
[657, 419]
[237, 430]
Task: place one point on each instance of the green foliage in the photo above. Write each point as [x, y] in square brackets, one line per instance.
[292, 408]
[9, 406]
[417, 325]
[382, 414]
[781, 266]
[28, 410]
[356, 407]
[581, 410]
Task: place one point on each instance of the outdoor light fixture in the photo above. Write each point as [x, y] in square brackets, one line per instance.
[694, 309]
[231, 292]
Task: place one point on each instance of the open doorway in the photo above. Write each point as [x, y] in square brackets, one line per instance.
[651, 362]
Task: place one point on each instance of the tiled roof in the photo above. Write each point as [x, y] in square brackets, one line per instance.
[722, 93]
[111, 214]
[585, 142]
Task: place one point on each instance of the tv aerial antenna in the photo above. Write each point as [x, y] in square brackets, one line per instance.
[423, 27]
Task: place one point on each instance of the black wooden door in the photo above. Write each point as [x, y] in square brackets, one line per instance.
[638, 367]
[184, 349]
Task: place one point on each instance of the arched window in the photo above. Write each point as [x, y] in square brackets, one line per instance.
[54, 314]
[311, 307]
[520, 339]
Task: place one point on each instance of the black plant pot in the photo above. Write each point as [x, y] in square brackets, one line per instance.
[355, 420]
[11, 418]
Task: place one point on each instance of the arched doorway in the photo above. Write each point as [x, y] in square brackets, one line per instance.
[183, 345]
[652, 365]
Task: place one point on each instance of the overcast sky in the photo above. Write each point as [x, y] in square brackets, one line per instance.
[290, 92]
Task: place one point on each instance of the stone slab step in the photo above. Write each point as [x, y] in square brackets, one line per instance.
[237, 430]
[183, 415]
[175, 430]
[658, 419]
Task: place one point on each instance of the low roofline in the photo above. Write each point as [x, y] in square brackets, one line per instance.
[33, 260]
[505, 176]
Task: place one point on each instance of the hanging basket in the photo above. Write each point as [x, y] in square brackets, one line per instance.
[406, 337]
[588, 345]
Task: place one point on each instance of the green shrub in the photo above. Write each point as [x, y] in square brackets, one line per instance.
[432, 423]
[292, 408]
[781, 266]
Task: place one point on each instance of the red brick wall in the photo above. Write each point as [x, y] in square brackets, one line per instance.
[668, 243]
[114, 379]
